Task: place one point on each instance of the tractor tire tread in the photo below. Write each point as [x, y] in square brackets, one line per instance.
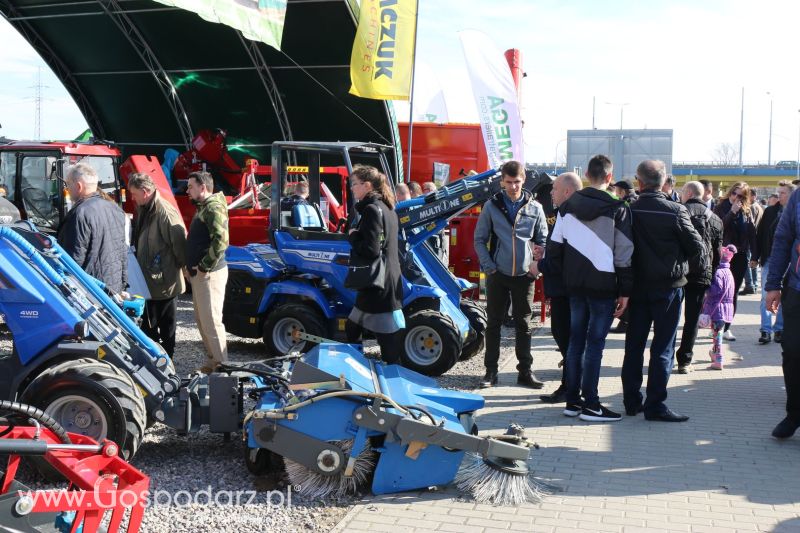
[121, 386]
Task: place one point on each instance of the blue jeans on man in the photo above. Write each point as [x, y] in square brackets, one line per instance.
[766, 317]
[661, 309]
[590, 321]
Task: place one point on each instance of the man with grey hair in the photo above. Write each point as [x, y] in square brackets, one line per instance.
[93, 232]
[666, 245]
[160, 240]
[668, 188]
[709, 226]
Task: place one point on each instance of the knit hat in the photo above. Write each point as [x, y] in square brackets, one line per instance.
[726, 253]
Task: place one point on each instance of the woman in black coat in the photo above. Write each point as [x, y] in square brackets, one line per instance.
[376, 229]
[739, 229]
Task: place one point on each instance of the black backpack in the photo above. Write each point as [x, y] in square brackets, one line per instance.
[700, 222]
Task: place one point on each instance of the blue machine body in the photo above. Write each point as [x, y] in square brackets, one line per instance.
[290, 268]
[333, 419]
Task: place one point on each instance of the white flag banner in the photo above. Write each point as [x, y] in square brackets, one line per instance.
[495, 97]
[429, 102]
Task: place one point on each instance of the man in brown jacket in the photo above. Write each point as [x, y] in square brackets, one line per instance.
[160, 239]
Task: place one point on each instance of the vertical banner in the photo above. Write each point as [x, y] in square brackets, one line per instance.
[495, 97]
[383, 52]
[258, 20]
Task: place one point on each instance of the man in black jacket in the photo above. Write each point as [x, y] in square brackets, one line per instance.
[665, 242]
[709, 226]
[764, 236]
[564, 186]
[93, 232]
[591, 250]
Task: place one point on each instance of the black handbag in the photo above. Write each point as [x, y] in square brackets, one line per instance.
[365, 273]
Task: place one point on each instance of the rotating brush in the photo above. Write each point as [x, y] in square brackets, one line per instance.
[499, 481]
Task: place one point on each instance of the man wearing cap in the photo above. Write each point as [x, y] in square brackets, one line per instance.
[624, 191]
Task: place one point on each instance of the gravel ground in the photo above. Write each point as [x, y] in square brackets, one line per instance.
[211, 469]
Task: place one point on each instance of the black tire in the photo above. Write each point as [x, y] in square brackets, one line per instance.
[284, 319]
[100, 391]
[477, 323]
[431, 344]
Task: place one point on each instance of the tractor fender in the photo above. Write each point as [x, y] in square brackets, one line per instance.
[415, 292]
[19, 376]
[279, 290]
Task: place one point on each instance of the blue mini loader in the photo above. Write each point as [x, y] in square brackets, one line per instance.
[340, 420]
[296, 284]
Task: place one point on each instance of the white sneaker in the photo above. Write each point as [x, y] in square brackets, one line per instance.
[729, 336]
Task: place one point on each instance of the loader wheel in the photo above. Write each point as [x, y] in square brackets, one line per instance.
[477, 323]
[92, 398]
[431, 345]
[285, 321]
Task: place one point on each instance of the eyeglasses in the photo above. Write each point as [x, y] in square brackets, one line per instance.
[737, 195]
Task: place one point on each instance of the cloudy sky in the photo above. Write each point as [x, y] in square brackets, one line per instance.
[678, 64]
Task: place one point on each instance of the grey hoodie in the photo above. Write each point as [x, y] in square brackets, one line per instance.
[503, 244]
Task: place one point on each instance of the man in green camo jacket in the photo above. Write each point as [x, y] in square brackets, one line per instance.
[206, 267]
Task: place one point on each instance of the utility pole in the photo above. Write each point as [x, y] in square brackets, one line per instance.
[37, 117]
[769, 150]
[741, 131]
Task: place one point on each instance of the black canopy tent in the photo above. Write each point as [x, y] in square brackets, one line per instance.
[148, 76]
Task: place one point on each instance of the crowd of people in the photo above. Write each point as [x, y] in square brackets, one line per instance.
[642, 253]
[94, 233]
[645, 253]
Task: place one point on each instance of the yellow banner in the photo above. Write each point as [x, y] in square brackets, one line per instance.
[383, 52]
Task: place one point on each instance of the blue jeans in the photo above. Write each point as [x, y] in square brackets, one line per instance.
[766, 316]
[660, 308]
[590, 320]
[750, 275]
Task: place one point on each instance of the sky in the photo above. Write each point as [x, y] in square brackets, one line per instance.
[676, 64]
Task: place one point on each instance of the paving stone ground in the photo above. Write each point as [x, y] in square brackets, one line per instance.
[720, 471]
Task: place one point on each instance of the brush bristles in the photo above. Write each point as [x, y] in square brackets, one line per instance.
[312, 485]
[488, 485]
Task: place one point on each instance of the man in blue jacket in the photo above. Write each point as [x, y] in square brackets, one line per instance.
[784, 260]
[510, 224]
[93, 232]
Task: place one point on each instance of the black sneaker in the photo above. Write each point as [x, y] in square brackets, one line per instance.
[599, 413]
[557, 396]
[765, 338]
[489, 380]
[746, 291]
[573, 409]
[778, 337]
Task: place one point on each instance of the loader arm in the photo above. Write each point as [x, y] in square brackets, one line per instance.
[427, 215]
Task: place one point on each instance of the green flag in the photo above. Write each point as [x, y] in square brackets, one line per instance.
[258, 20]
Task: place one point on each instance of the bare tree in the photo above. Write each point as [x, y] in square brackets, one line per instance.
[725, 154]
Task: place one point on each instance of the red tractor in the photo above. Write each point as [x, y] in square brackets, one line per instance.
[32, 172]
